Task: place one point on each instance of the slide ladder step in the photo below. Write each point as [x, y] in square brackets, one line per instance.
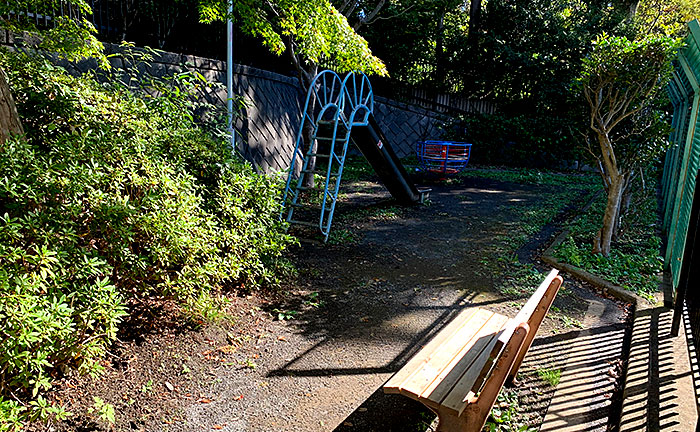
[304, 223]
[323, 138]
[305, 188]
[308, 206]
[333, 173]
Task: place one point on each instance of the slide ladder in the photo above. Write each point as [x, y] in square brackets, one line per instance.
[331, 111]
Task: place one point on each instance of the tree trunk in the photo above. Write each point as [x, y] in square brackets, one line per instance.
[474, 25]
[440, 51]
[10, 125]
[632, 10]
[612, 211]
[626, 195]
[310, 144]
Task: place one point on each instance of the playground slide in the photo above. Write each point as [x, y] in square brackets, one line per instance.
[375, 147]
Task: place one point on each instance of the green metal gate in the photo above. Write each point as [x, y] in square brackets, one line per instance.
[683, 158]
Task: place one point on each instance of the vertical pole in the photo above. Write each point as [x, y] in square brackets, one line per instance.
[229, 72]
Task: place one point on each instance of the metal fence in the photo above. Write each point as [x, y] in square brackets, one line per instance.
[447, 103]
[106, 17]
[680, 183]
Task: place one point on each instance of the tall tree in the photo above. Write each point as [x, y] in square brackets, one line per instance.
[474, 24]
[311, 31]
[620, 80]
[665, 17]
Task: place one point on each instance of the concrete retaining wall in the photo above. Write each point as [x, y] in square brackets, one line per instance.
[271, 105]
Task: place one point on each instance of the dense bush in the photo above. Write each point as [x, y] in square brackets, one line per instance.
[113, 196]
[517, 140]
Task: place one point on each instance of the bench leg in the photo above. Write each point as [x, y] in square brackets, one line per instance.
[475, 414]
[471, 420]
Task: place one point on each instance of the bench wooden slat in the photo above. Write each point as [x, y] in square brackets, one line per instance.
[394, 385]
[421, 366]
[539, 297]
[462, 392]
[460, 372]
[535, 300]
[468, 358]
[461, 340]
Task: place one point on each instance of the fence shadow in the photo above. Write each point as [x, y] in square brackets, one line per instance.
[652, 400]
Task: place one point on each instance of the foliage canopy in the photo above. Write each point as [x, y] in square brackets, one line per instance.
[312, 28]
[70, 37]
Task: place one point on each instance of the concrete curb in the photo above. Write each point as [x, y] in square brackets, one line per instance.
[606, 287]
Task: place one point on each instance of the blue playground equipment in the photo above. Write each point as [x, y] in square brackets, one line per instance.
[443, 157]
[335, 112]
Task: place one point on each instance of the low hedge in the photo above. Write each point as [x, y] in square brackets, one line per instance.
[113, 196]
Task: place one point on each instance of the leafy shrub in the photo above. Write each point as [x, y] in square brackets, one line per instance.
[113, 196]
[516, 139]
[634, 260]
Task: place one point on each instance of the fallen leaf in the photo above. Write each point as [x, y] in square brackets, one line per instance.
[204, 400]
[282, 338]
[217, 427]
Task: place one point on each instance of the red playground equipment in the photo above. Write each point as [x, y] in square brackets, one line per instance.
[443, 157]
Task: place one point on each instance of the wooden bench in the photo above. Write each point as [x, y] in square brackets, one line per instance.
[459, 373]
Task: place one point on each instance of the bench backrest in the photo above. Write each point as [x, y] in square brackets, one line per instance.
[532, 314]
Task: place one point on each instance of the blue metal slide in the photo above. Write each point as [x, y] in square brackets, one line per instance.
[335, 113]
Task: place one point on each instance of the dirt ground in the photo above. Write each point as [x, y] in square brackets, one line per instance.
[314, 356]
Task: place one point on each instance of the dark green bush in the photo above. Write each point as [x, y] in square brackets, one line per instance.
[517, 140]
[113, 196]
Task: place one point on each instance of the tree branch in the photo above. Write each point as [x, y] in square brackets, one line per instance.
[392, 16]
[369, 17]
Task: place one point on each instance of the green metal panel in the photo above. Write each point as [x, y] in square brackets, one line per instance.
[685, 112]
[675, 162]
[678, 98]
[683, 158]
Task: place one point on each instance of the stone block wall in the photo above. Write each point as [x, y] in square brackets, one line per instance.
[404, 125]
[269, 121]
[269, 117]
[271, 105]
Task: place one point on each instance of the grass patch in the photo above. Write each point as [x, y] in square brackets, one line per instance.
[551, 376]
[505, 414]
[536, 177]
[341, 236]
[516, 279]
[634, 262]
[357, 168]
